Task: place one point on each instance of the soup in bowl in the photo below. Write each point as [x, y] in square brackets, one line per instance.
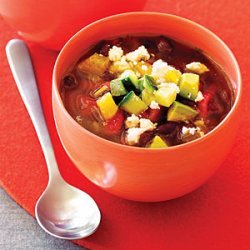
[140, 107]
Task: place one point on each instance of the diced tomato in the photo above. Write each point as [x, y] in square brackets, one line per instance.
[114, 125]
[155, 115]
[204, 104]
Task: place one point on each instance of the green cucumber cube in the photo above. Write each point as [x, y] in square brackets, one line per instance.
[132, 104]
[117, 88]
[128, 77]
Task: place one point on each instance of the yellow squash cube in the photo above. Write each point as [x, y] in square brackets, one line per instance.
[107, 106]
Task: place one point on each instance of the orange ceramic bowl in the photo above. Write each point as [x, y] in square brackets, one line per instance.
[52, 22]
[144, 174]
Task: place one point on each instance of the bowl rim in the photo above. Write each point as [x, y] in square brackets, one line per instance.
[55, 89]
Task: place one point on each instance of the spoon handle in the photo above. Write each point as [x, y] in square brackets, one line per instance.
[21, 66]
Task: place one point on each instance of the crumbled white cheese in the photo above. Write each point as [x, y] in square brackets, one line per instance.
[197, 67]
[115, 54]
[190, 131]
[147, 124]
[137, 55]
[132, 121]
[199, 97]
[189, 95]
[171, 85]
[160, 69]
[154, 105]
[133, 134]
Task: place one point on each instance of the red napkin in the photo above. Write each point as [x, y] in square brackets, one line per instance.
[216, 216]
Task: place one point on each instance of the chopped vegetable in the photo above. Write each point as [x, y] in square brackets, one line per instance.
[118, 67]
[147, 97]
[132, 104]
[99, 92]
[157, 143]
[107, 106]
[115, 124]
[173, 75]
[189, 85]
[165, 96]
[181, 112]
[129, 78]
[95, 64]
[143, 68]
[147, 82]
[117, 88]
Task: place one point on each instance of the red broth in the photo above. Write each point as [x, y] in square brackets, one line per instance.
[79, 91]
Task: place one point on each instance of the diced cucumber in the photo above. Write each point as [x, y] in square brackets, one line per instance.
[147, 82]
[128, 78]
[189, 85]
[181, 112]
[117, 88]
[157, 142]
[132, 104]
[173, 75]
[147, 97]
[107, 106]
[165, 96]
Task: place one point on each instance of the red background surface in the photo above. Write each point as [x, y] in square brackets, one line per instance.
[216, 216]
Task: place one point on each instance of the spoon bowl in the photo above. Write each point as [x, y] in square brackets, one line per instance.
[67, 213]
[62, 210]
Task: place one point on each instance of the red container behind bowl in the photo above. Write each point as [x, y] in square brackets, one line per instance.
[52, 22]
[140, 173]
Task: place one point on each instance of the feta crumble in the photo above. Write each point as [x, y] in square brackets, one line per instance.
[147, 124]
[191, 131]
[133, 134]
[137, 55]
[132, 121]
[160, 69]
[197, 67]
[199, 97]
[154, 105]
[115, 54]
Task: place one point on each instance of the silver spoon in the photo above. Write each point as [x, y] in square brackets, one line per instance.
[62, 210]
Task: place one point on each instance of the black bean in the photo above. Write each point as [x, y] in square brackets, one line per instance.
[69, 82]
[145, 138]
[163, 45]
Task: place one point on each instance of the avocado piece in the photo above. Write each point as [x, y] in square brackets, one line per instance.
[132, 104]
[189, 85]
[180, 112]
[157, 142]
[129, 78]
[117, 88]
[165, 96]
[147, 82]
